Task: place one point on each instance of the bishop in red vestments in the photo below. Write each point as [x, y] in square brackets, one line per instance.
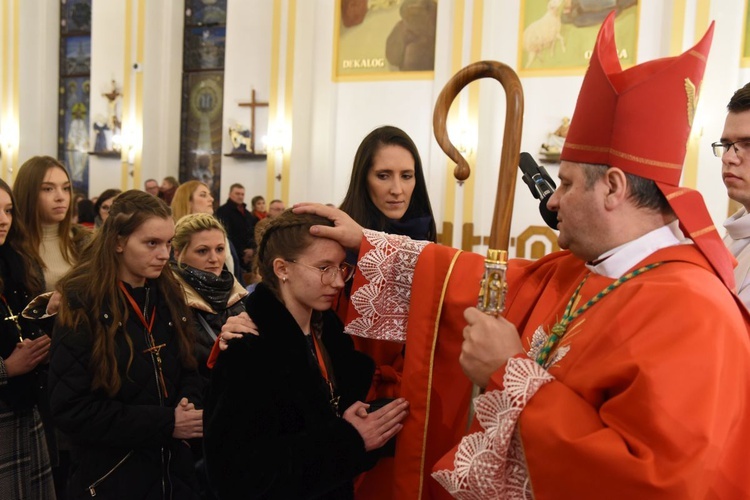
[621, 366]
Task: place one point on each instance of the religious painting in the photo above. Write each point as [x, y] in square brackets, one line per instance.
[556, 37]
[75, 57]
[75, 16]
[202, 128]
[73, 135]
[384, 39]
[204, 41]
[745, 60]
[205, 12]
[204, 48]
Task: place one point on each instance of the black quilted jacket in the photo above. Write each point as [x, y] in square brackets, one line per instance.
[123, 445]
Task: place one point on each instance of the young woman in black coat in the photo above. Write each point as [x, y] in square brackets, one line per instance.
[24, 462]
[284, 417]
[123, 380]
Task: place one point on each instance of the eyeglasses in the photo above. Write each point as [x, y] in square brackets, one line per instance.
[740, 147]
[328, 273]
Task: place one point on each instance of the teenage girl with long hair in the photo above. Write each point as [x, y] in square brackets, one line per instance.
[24, 461]
[123, 379]
[43, 195]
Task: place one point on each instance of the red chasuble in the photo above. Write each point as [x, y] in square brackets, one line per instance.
[644, 397]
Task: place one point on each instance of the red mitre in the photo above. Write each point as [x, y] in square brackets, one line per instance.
[639, 120]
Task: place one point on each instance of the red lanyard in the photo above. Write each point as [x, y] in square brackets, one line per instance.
[334, 401]
[154, 349]
[321, 363]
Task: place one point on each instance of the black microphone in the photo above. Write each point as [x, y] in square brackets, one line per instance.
[541, 185]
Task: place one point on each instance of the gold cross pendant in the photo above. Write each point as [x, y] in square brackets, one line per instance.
[155, 349]
[14, 319]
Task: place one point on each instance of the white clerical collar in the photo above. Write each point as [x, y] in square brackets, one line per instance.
[616, 262]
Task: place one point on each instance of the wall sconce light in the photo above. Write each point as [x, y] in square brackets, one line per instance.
[465, 140]
[8, 141]
[126, 142]
[117, 142]
[278, 141]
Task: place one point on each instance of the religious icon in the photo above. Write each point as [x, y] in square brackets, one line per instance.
[385, 39]
[557, 36]
[200, 157]
[114, 108]
[100, 142]
[550, 150]
[76, 59]
[242, 139]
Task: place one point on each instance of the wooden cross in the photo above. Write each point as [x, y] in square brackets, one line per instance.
[155, 351]
[252, 105]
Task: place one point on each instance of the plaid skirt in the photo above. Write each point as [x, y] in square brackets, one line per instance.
[25, 471]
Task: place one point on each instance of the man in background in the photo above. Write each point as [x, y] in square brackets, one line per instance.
[239, 223]
[275, 208]
[734, 151]
[151, 187]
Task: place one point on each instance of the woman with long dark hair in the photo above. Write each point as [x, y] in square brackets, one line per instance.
[123, 380]
[43, 201]
[387, 192]
[103, 204]
[24, 462]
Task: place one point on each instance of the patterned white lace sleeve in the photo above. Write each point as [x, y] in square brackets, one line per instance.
[383, 303]
[491, 464]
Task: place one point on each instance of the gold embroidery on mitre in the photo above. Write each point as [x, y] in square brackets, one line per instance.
[692, 100]
[626, 156]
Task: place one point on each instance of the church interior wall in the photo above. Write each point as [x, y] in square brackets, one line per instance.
[284, 50]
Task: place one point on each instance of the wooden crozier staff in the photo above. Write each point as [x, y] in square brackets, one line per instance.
[493, 286]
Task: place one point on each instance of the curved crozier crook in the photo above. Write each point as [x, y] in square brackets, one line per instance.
[500, 234]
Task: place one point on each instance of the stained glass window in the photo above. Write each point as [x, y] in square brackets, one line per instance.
[203, 92]
[73, 97]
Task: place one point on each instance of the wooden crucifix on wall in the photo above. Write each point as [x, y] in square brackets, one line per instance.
[252, 105]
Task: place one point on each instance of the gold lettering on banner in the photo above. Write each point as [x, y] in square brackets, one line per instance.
[375, 62]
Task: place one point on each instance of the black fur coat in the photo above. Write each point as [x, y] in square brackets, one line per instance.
[269, 429]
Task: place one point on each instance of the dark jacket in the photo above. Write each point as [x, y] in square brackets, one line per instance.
[122, 445]
[19, 393]
[208, 320]
[269, 429]
[240, 225]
